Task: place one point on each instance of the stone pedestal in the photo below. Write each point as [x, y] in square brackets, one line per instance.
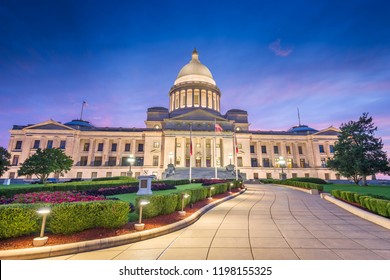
[139, 226]
[145, 185]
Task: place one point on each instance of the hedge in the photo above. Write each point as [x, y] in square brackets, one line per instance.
[309, 180]
[169, 203]
[21, 219]
[80, 186]
[304, 185]
[376, 205]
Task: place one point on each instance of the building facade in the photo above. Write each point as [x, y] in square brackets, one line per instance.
[192, 131]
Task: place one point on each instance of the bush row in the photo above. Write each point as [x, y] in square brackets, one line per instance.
[169, 203]
[127, 189]
[80, 186]
[21, 219]
[309, 180]
[376, 205]
[304, 185]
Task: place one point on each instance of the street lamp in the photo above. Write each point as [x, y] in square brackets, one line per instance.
[42, 240]
[170, 157]
[131, 161]
[211, 188]
[183, 196]
[140, 225]
[282, 162]
[230, 187]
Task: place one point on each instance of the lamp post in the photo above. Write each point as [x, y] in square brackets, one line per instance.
[42, 240]
[183, 196]
[131, 161]
[282, 162]
[230, 158]
[140, 225]
[170, 157]
[211, 188]
[230, 187]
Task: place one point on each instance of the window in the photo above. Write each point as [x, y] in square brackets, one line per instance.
[79, 175]
[49, 144]
[266, 162]
[182, 99]
[100, 147]
[111, 161]
[294, 175]
[300, 150]
[263, 149]
[252, 149]
[62, 144]
[114, 147]
[331, 149]
[321, 147]
[290, 163]
[276, 150]
[139, 161]
[239, 161]
[307, 175]
[155, 160]
[140, 148]
[36, 144]
[127, 147]
[98, 161]
[269, 176]
[255, 175]
[18, 145]
[323, 162]
[327, 176]
[108, 174]
[83, 161]
[156, 145]
[302, 163]
[254, 162]
[288, 150]
[15, 160]
[86, 147]
[338, 176]
[123, 173]
[196, 97]
[125, 161]
[93, 175]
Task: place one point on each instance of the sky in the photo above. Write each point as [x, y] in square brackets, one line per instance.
[330, 59]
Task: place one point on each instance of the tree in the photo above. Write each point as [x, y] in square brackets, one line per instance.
[46, 161]
[357, 153]
[4, 160]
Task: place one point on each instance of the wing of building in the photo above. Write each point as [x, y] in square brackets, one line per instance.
[192, 131]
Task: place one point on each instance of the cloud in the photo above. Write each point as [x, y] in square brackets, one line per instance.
[277, 49]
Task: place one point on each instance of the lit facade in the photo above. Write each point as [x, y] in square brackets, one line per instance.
[193, 110]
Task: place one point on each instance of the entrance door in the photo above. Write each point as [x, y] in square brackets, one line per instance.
[208, 162]
[198, 162]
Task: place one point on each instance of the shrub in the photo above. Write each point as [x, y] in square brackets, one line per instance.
[19, 219]
[304, 185]
[126, 178]
[381, 207]
[309, 180]
[336, 193]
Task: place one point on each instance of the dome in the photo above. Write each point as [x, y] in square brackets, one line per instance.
[302, 129]
[195, 71]
[81, 123]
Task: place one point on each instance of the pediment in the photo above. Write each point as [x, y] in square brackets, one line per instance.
[197, 115]
[328, 131]
[49, 125]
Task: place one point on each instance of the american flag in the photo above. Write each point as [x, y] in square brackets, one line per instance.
[218, 128]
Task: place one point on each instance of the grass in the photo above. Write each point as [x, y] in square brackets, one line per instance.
[130, 197]
[377, 190]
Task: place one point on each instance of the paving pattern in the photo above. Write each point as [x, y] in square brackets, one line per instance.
[267, 222]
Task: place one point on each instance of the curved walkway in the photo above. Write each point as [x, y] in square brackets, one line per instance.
[266, 222]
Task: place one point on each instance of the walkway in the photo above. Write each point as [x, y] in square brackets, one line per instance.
[266, 222]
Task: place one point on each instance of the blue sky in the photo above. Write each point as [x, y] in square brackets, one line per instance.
[329, 58]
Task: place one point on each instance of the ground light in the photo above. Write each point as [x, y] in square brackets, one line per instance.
[183, 196]
[42, 240]
[230, 187]
[210, 197]
[140, 225]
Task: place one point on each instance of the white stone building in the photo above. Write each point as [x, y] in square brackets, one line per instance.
[194, 111]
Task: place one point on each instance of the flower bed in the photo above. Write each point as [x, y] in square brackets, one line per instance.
[127, 189]
[49, 197]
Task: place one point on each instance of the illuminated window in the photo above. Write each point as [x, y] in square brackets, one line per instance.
[177, 100]
[182, 99]
[288, 150]
[203, 99]
[86, 147]
[189, 98]
[210, 100]
[196, 98]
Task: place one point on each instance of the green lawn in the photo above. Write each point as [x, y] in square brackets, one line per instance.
[377, 190]
[130, 197]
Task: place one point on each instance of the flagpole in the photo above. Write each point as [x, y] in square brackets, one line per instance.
[190, 152]
[82, 109]
[235, 153]
[215, 149]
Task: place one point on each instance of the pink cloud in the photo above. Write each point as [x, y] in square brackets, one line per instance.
[277, 49]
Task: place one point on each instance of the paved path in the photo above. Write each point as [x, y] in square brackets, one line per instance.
[266, 222]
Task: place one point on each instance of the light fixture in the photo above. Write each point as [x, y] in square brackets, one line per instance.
[230, 187]
[183, 196]
[140, 225]
[210, 197]
[42, 240]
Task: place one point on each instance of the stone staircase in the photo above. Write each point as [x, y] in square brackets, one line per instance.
[200, 173]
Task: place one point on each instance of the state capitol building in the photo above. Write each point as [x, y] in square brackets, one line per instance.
[183, 135]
